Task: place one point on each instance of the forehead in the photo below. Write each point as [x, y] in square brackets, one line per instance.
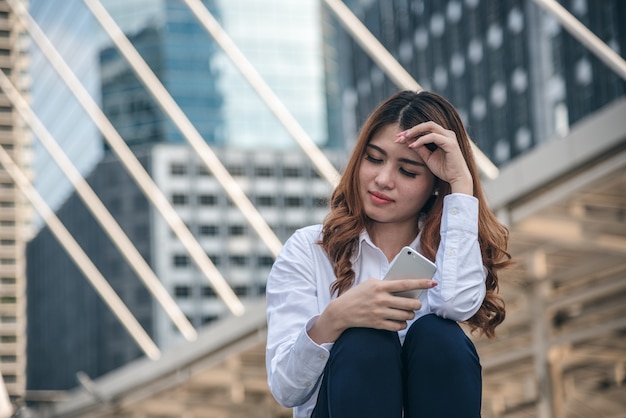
[384, 139]
[386, 132]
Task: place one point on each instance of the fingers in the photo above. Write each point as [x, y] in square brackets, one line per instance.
[373, 303]
[428, 134]
[422, 129]
[394, 286]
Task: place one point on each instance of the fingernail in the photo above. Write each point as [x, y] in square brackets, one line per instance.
[433, 283]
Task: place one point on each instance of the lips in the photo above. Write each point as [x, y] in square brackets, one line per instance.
[380, 198]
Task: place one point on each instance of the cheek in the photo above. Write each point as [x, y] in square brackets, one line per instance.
[419, 194]
[365, 176]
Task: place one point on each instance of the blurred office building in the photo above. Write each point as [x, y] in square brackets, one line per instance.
[515, 75]
[252, 144]
[15, 212]
[282, 184]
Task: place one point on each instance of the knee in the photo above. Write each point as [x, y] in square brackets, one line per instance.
[435, 337]
[365, 345]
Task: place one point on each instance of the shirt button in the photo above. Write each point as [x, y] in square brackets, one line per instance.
[308, 384]
[322, 356]
[450, 253]
[454, 211]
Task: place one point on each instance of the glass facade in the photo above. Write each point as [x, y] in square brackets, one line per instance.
[282, 41]
[72, 29]
[515, 76]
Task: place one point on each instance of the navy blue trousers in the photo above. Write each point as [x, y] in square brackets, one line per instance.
[436, 373]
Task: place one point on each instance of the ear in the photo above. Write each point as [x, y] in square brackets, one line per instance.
[436, 187]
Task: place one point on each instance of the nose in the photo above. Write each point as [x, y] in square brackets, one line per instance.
[384, 178]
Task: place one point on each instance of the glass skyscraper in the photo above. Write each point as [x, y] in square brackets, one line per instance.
[515, 75]
[281, 39]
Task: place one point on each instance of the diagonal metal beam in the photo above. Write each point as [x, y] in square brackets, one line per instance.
[182, 122]
[579, 31]
[130, 162]
[317, 157]
[81, 259]
[99, 211]
[6, 409]
[379, 54]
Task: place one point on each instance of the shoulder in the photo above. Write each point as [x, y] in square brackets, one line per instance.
[301, 253]
[304, 239]
[309, 233]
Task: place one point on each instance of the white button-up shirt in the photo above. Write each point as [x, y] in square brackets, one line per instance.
[298, 290]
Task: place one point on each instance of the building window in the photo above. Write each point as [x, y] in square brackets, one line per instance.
[237, 260]
[8, 339]
[292, 172]
[208, 292]
[179, 199]
[320, 202]
[209, 230]
[178, 169]
[236, 170]
[236, 230]
[215, 259]
[293, 201]
[202, 170]
[265, 261]
[267, 201]
[208, 318]
[207, 200]
[182, 292]
[181, 260]
[264, 171]
[240, 290]
[8, 300]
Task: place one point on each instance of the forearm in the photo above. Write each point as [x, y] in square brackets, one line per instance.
[460, 271]
[328, 326]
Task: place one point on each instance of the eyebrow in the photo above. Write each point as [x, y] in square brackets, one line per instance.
[402, 160]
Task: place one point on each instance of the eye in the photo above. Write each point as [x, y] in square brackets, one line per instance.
[372, 159]
[408, 173]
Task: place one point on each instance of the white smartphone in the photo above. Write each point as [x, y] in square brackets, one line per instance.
[409, 264]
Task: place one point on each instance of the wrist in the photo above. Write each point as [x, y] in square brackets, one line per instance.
[327, 328]
[464, 185]
[464, 189]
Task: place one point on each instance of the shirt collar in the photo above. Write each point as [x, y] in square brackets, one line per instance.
[364, 237]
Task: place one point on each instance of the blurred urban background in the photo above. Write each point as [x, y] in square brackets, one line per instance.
[208, 131]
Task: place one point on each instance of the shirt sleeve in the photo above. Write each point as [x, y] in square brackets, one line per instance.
[460, 271]
[294, 362]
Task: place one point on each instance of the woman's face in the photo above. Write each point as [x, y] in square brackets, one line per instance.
[394, 182]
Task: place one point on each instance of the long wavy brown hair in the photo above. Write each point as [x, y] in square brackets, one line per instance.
[347, 219]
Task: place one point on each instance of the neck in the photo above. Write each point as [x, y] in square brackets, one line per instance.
[391, 238]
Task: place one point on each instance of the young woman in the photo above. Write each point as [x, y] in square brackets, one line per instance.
[340, 343]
